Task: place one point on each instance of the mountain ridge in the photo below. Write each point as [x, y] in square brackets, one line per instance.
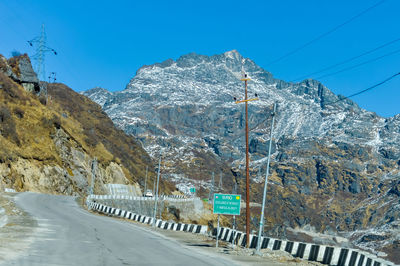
[330, 158]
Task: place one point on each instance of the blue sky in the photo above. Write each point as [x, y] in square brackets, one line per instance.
[103, 43]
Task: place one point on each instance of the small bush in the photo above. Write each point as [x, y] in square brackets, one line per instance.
[15, 53]
[91, 137]
[7, 125]
[19, 112]
[43, 99]
[54, 121]
[5, 114]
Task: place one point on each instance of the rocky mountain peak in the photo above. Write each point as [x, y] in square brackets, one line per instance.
[329, 156]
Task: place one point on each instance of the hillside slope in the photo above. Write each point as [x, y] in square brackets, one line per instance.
[48, 146]
[335, 167]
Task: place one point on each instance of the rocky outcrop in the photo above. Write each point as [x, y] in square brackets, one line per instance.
[20, 69]
[50, 146]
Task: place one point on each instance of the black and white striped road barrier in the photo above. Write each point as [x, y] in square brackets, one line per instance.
[193, 228]
[312, 252]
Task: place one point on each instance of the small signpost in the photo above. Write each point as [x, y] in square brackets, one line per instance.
[228, 204]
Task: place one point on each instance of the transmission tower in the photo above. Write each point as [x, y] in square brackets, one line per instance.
[41, 49]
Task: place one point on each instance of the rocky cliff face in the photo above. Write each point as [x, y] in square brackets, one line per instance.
[335, 166]
[49, 145]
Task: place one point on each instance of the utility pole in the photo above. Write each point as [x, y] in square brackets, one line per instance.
[154, 186]
[211, 194]
[94, 167]
[156, 195]
[266, 182]
[145, 182]
[220, 182]
[246, 79]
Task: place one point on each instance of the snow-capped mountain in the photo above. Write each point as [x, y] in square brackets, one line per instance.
[335, 166]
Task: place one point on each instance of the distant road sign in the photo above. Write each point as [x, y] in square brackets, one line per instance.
[226, 204]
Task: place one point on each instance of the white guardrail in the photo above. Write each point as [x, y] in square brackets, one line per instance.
[127, 197]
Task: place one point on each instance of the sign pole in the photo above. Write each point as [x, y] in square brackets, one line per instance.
[216, 245]
[233, 229]
[228, 204]
[266, 183]
[145, 182]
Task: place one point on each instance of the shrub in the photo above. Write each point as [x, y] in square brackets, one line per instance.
[15, 53]
[7, 125]
[91, 137]
[19, 112]
[54, 121]
[43, 99]
[5, 114]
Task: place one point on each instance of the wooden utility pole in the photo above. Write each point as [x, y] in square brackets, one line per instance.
[245, 79]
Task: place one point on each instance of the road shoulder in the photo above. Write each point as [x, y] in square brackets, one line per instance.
[17, 233]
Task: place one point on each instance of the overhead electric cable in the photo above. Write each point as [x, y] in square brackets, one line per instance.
[365, 90]
[360, 64]
[346, 61]
[326, 33]
[329, 103]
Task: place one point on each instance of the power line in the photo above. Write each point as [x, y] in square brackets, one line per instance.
[360, 64]
[342, 99]
[347, 60]
[365, 90]
[326, 33]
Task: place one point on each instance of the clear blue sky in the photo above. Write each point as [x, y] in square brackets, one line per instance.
[103, 43]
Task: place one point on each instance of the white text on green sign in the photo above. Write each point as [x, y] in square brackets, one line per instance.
[226, 204]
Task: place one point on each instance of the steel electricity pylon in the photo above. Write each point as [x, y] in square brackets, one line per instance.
[40, 44]
[246, 100]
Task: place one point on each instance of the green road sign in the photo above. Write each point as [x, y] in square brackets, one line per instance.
[226, 204]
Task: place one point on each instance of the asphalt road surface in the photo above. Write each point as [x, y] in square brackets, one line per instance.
[68, 235]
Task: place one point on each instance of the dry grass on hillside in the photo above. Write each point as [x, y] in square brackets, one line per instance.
[27, 126]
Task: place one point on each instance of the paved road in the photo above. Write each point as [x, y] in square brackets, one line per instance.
[69, 235]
